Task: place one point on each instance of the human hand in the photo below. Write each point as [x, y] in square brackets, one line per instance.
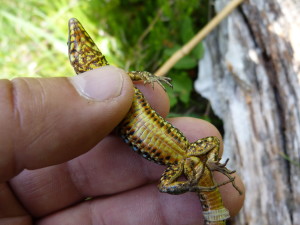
[56, 150]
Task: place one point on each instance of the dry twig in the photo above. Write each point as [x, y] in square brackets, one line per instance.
[197, 38]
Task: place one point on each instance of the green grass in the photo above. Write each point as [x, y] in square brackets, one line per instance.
[34, 35]
[132, 34]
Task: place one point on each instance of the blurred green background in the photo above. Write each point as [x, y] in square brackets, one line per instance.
[132, 34]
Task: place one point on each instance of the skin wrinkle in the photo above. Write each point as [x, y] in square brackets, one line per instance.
[79, 182]
[153, 206]
[20, 200]
[91, 213]
[94, 214]
[15, 104]
[160, 209]
[42, 93]
[19, 84]
[79, 188]
[157, 209]
[145, 169]
[17, 118]
[38, 101]
[46, 131]
[35, 192]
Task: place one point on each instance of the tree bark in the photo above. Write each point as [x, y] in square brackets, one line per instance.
[251, 75]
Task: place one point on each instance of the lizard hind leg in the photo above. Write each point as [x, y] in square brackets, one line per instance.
[208, 147]
[168, 181]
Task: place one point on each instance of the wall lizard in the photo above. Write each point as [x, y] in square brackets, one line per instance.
[157, 140]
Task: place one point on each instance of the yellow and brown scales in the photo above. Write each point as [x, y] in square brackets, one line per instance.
[157, 140]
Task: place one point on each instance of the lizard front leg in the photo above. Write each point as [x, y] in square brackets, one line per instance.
[169, 183]
[149, 78]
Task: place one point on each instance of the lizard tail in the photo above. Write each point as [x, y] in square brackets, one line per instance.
[213, 208]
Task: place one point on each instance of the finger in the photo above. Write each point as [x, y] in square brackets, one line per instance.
[51, 120]
[11, 212]
[144, 205]
[111, 167]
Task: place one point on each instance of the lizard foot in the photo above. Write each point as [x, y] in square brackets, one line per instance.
[221, 167]
[150, 78]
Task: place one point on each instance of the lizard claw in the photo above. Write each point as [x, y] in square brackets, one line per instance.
[197, 188]
[150, 78]
[221, 167]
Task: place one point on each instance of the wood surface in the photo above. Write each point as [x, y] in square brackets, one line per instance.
[250, 73]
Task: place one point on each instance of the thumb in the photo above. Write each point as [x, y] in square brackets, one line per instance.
[47, 121]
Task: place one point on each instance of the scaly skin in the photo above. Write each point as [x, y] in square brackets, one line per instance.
[157, 140]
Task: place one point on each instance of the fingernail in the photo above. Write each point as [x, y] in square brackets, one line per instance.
[99, 84]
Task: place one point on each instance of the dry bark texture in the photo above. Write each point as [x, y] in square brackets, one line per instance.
[251, 73]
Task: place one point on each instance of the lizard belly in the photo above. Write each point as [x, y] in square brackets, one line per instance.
[150, 135]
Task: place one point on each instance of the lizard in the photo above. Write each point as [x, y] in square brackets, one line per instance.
[159, 141]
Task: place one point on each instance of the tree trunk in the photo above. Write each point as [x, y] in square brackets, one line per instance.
[250, 73]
